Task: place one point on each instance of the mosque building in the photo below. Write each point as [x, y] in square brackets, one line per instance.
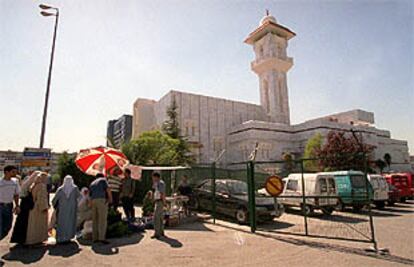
[213, 124]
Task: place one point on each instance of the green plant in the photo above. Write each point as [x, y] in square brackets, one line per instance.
[313, 145]
[152, 148]
[171, 127]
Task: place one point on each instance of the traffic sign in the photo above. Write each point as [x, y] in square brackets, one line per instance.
[274, 185]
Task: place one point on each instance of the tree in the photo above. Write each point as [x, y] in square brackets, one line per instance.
[67, 166]
[152, 148]
[313, 145]
[289, 164]
[171, 127]
[387, 159]
[342, 152]
[380, 164]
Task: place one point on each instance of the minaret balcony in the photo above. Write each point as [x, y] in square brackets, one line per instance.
[272, 63]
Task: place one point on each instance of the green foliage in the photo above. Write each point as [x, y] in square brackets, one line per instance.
[152, 148]
[288, 165]
[313, 145]
[56, 178]
[116, 227]
[343, 152]
[171, 127]
[67, 166]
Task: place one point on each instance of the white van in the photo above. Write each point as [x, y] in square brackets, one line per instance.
[380, 188]
[315, 185]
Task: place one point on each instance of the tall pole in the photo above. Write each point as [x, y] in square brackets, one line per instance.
[42, 134]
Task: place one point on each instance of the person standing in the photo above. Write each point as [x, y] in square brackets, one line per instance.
[66, 204]
[127, 195]
[9, 191]
[84, 208]
[101, 196]
[37, 227]
[26, 204]
[115, 183]
[184, 189]
[159, 201]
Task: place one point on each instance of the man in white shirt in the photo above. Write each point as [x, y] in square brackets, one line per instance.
[9, 191]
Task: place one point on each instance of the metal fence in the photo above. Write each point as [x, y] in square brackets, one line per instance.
[346, 224]
[341, 224]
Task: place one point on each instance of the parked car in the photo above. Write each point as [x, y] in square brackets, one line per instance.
[394, 195]
[352, 189]
[380, 189]
[232, 200]
[316, 184]
[402, 181]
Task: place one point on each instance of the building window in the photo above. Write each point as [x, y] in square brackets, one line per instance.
[193, 131]
[280, 51]
[261, 51]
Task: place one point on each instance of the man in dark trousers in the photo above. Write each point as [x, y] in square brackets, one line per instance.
[159, 200]
[9, 192]
[127, 195]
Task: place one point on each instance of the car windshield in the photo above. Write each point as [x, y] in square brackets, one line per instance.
[237, 187]
[358, 181]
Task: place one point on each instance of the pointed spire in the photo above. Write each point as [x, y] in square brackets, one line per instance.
[267, 12]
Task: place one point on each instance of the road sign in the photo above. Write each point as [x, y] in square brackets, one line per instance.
[35, 163]
[36, 153]
[274, 185]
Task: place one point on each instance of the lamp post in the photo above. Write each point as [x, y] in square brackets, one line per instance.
[47, 14]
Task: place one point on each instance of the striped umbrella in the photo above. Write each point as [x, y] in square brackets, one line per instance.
[100, 160]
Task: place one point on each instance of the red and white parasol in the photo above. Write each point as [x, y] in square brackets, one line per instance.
[100, 160]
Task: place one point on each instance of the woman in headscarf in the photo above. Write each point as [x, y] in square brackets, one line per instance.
[84, 208]
[26, 204]
[38, 217]
[65, 203]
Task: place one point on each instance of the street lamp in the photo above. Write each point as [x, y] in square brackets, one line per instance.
[47, 14]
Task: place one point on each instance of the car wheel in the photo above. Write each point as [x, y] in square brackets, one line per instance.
[308, 209]
[327, 210]
[357, 208]
[340, 206]
[242, 216]
[380, 204]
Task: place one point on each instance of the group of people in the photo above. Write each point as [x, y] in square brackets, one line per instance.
[31, 226]
[29, 200]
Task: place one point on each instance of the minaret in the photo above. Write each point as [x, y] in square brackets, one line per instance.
[269, 42]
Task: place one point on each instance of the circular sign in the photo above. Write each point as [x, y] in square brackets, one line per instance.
[274, 185]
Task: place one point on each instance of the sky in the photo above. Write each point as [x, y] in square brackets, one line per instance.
[347, 55]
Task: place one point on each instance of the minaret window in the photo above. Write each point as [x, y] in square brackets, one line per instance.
[280, 51]
[261, 52]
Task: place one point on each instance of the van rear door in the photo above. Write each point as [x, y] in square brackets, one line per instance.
[323, 191]
[332, 191]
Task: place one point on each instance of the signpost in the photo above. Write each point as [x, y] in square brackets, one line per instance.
[36, 158]
[274, 186]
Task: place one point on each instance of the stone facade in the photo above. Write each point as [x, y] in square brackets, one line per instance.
[213, 124]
